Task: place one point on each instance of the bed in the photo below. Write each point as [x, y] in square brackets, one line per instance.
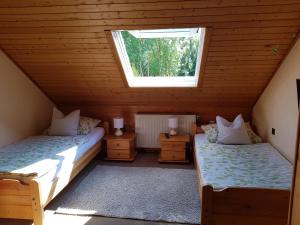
[34, 170]
[242, 184]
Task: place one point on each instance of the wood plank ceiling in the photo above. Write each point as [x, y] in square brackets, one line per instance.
[62, 46]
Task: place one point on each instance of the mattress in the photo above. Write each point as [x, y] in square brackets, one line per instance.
[255, 165]
[38, 155]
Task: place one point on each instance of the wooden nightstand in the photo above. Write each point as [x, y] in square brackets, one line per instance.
[121, 148]
[173, 149]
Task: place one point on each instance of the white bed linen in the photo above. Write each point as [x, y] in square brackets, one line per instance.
[38, 156]
[255, 165]
[93, 137]
[65, 168]
[200, 139]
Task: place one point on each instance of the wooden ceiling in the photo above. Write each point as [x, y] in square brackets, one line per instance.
[62, 46]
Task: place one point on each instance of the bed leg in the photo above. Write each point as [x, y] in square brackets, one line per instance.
[37, 209]
[207, 206]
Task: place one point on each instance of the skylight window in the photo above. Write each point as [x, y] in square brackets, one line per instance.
[161, 57]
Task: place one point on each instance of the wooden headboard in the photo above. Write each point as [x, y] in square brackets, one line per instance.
[105, 125]
[196, 129]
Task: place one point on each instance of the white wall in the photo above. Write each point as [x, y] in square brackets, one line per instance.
[277, 107]
[24, 109]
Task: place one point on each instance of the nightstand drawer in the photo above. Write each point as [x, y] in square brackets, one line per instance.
[174, 145]
[118, 144]
[172, 155]
[118, 154]
[121, 148]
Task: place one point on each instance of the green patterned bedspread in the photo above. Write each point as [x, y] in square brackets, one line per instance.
[257, 165]
[37, 155]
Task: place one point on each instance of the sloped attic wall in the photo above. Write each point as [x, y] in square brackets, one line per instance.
[277, 107]
[24, 109]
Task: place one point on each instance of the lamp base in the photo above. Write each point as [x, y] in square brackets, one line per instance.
[172, 132]
[118, 132]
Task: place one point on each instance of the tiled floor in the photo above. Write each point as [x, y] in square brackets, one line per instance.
[142, 160]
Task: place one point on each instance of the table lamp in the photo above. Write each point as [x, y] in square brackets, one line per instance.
[118, 125]
[173, 125]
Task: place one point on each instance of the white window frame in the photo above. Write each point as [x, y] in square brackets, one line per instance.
[159, 81]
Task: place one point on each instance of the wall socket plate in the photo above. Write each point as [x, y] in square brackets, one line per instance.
[273, 131]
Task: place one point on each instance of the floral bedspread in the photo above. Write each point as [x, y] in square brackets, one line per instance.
[35, 156]
[256, 165]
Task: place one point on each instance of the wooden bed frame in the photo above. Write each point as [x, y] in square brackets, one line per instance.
[241, 206]
[27, 200]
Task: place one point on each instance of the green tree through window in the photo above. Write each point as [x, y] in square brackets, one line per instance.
[164, 57]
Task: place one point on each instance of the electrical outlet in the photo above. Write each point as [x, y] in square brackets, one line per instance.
[273, 131]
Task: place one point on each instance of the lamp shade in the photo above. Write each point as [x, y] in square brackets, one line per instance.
[118, 122]
[173, 122]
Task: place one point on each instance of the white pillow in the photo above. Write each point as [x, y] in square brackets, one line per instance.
[232, 133]
[64, 125]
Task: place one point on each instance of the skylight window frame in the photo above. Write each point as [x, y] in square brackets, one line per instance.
[160, 33]
[158, 82]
